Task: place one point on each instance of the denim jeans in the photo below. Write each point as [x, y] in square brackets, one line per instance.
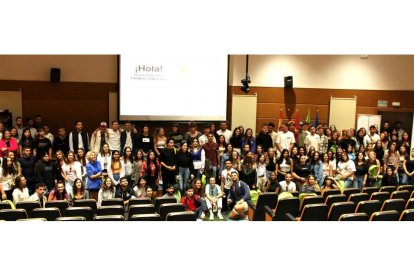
[409, 180]
[184, 174]
[358, 182]
[348, 183]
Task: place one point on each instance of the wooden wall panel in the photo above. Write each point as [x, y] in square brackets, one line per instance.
[271, 99]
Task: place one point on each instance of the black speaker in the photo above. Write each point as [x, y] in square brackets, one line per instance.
[289, 82]
[54, 74]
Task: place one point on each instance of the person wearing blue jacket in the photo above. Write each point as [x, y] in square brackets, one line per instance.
[239, 196]
[94, 173]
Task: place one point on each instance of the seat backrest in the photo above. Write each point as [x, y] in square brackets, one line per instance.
[4, 205]
[370, 190]
[349, 191]
[401, 194]
[62, 205]
[394, 204]
[368, 207]
[111, 210]
[381, 196]
[29, 206]
[112, 201]
[50, 213]
[162, 200]
[389, 189]
[288, 205]
[339, 208]
[86, 203]
[138, 201]
[409, 188]
[71, 218]
[331, 192]
[385, 216]
[265, 199]
[13, 214]
[146, 217]
[356, 198]
[311, 200]
[331, 199]
[109, 218]
[410, 204]
[354, 217]
[141, 210]
[295, 193]
[407, 215]
[181, 216]
[33, 219]
[85, 212]
[314, 212]
[167, 208]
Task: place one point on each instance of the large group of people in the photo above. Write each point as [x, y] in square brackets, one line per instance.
[212, 171]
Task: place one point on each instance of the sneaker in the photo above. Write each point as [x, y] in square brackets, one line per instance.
[211, 216]
[199, 220]
[203, 215]
[220, 216]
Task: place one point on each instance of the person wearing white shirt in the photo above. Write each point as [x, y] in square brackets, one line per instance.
[287, 185]
[70, 171]
[312, 139]
[20, 192]
[203, 139]
[372, 137]
[39, 194]
[114, 139]
[285, 139]
[224, 131]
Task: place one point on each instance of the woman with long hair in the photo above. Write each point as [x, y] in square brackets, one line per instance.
[329, 183]
[107, 191]
[58, 193]
[392, 159]
[81, 158]
[310, 186]
[294, 154]
[151, 171]
[160, 140]
[284, 165]
[405, 142]
[7, 175]
[248, 171]
[403, 156]
[26, 141]
[104, 157]
[249, 139]
[59, 162]
[361, 171]
[360, 135]
[379, 151]
[127, 160]
[137, 167]
[140, 188]
[261, 172]
[116, 168]
[20, 192]
[374, 169]
[7, 144]
[327, 168]
[78, 192]
[346, 169]
[236, 140]
[408, 166]
[185, 166]
[221, 142]
[271, 162]
[71, 170]
[235, 159]
[198, 157]
[317, 168]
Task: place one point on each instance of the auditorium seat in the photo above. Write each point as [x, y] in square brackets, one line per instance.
[12, 214]
[331, 199]
[141, 210]
[167, 208]
[29, 206]
[349, 191]
[162, 200]
[368, 207]
[71, 218]
[394, 204]
[4, 205]
[257, 213]
[109, 218]
[138, 201]
[288, 205]
[358, 197]
[331, 192]
[401, 194]
[409, 188]
[314, 212]
[410, 204]
[86, 203]
[85, 212]
[146, 217]
[381, 196]
[339, 208]
[32, 219]
[385, 216]
[113, 201]
[370, 190]
[62, 205]
[354, 217]
[50, 213]
[111, 210]
[407, 215]
[388, 189]
[181, 216]
[311, 200]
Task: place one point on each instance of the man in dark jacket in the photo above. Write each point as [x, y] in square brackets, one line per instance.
[264, 139]
[239, 196]
[124, 192]
[45, 172]
[27, 162]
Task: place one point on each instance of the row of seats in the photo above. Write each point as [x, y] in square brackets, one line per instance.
[333, 204]
[110, 209]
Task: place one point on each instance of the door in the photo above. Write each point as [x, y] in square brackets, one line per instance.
[406, 119]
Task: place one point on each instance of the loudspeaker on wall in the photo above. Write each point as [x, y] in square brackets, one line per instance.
[289, 82]
[55, 74]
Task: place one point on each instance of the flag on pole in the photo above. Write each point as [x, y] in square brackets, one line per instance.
[316, 123]
[297, 119]
[308, 117]
[280, 119]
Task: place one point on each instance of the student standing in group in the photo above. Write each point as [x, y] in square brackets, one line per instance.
[128, 138]
[114, 137]
[192, 133]
[20, 192]
[145, 141]
[94, 174]
[7, 143]
[78, 138]
[224, 131]
[168, 164]
[41, 145]
[176, 135]
[160, 141]
[61, 141]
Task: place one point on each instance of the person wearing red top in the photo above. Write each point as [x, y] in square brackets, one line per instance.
[7, 143]
[211, 153]
[193, 203]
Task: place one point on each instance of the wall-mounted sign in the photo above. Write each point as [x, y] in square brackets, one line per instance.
[382, 103]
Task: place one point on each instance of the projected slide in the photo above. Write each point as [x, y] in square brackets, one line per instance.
[173, 88]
